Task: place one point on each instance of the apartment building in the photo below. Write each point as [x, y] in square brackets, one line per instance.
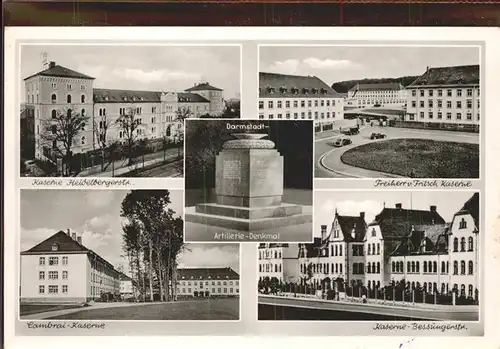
[57, 89]
[446, 96]
[61, 269]
[388, 95]
[279, 261]
[296, 97]
[207, 282]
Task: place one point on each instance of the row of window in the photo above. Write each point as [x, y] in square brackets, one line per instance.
[470, 240]
[430, 115]
[449, 92]
[336, 268]
[381, 101]
[449, 104]
[288, 115]
[268, 268]
[432, 287]
[53, 261]
[265, 254]
[432, 267]
[288, 104]
[53, 289]
[53, 275]
[219, 290]
[207, 283]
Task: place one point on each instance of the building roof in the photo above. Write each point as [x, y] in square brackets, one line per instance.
[350, 223]
[424, 239]
[457, 75]
[64, 242]
[188, 97]
[203, 87]
[294, 86]
[471, 207]
[311, 249]
[207, 273]
[60, 71]
[27, 110]
[124, 277]
[395, 86]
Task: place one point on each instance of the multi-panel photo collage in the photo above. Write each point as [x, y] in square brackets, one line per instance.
[265, 185]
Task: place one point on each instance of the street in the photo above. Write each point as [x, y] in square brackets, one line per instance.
[328, 161]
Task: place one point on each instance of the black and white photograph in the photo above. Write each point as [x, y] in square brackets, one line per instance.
[119, 110]
[379, 111]
[378, 256]
[120, 255]
[248, 180]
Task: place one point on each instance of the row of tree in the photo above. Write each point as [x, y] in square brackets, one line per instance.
[152, 242]
[61, 132]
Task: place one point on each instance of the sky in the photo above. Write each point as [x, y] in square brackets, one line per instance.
[154, 68]
[95, 215]
[351, 203]
[338, 63]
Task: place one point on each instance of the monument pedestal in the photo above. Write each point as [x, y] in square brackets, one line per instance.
[249, 189]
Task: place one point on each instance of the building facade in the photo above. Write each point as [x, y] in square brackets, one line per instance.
[446, 96]
[57, 89]
[61, 269]
[279, 261]
[388, 95]
[127, 287]
[298, 97]
[207, 282]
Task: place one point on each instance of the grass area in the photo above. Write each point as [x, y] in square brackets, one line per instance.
[208, 309]
[27, 309]
[425, 158]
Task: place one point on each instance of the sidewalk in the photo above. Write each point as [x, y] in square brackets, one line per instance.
[121, 167]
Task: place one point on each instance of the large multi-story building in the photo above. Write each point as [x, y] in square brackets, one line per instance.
[446, 96]
[207, 282]
[279, 261]
[389, 95]
[127, 287]
[298, 97]
[61, 269]
[57, 89]
[338, 255]
[413, 246]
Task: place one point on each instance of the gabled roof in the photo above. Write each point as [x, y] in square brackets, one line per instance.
[64, 244]
[424, 239]
[350, 223]
[207, 273]
[377, 86]
[60, 71]
[186, 97]
[471, 207]
[457, 75]
[312, 250]
[294, 86]
[120, 96]
[203, 87]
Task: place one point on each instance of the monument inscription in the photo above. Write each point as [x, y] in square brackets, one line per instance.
[232, 169]
[262, 168]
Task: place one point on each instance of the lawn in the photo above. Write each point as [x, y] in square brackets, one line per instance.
[425, 158]
[28, 309]
[210, 309]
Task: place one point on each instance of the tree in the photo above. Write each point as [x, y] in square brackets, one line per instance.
[182, 114]
[129, 123]
[60, 133]
[101, 131]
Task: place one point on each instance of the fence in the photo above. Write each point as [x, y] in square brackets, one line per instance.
[437, 126]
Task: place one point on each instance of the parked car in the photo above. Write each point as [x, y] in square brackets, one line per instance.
[376, 135]
[350, 130]
[340, 142]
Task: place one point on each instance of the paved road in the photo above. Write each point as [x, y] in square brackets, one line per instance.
[329, 164]
[439, 314]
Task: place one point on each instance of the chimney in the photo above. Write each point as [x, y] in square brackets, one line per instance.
[79, 239]
[427, 70]
[323, 232]
[362, 215]
[73, 235]
[433, 208]
[69, 232]
[399, 206]
[52, 64]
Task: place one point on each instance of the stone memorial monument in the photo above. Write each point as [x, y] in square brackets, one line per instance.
[249, 188]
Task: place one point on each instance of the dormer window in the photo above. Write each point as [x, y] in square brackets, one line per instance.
[374, 232]
[133, 98]
[315, 90]
[125, 98]
[324, 91]
[283, 89]
[106, 98]
[142, 98]
[55, 247]
[271, 89]
[305, 90]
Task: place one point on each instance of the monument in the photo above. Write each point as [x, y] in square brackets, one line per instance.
[248, 188]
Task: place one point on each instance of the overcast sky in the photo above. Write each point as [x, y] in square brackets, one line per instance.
[338, 63]
[171, 68]
[351, 203]
[95, 215]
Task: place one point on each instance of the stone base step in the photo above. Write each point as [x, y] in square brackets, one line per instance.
[283, 210]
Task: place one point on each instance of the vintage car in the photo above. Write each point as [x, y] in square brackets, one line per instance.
[376, 135]
[340, 142]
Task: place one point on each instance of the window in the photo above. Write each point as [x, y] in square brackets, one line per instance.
[443, 268]
[83, 98]
[41, 275]
[422, 92]
[431, 103]
[455, 245]
[53, 289]
[270, 104]
[455, 267]
[471, 244]
[68, 99]
[463, 224]
[41, 289]
[421, 115]
[462, 244]
[261, 104]
[414, 93]
[422, 104]
[64, 274]
[440, 93]
[413, 104]
[64, 288]
[287, 104]
[448, 93]
[440, 115]
[378, 248]
[378, 267]
[295, 104]
[53, 260]
[448, 104]
[425, 267]
[279, 105]
[471, 268]
[431, 115]
[459, 104]
[83, 139]
[469, 92]
[53, 98]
